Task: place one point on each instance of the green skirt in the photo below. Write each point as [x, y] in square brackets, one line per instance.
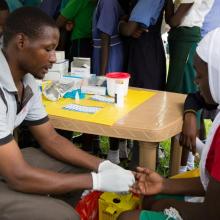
[182, 47]
[150, 215]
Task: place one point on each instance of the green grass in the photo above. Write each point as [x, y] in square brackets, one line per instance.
[164, 163]
[163, 167]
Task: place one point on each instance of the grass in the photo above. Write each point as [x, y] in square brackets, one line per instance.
[163, 166]
[164, 162]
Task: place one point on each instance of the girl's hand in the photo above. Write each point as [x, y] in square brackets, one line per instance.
[147, 182]
[189, 132]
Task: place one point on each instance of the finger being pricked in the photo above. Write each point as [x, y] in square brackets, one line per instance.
[138, 188]
[135, 189]
[143, 170]
[141, 174]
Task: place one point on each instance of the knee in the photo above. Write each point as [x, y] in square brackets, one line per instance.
[60, 211]
[129, 215]
[123, 216]
[47, 209]
[64, 214]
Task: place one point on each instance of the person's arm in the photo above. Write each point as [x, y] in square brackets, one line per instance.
[189, 131]
[175, 19]
[169, 10]
[128, 28]
[20, 176]
[61, 148]
[193, 103]
[61, 21]
[105, 41]
[186, 186]
[209, 209]
[149, 183]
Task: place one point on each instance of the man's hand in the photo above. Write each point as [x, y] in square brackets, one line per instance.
[113, 180]
[189, 132]
[108, 165]
[148, 182]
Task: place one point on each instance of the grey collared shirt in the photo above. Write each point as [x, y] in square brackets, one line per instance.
[30, 110]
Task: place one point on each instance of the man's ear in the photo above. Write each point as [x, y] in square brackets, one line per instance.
[21, 40]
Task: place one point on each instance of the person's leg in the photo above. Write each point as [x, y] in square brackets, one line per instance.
[143, 215]
[113, 153]
[21, 206]
[118, 150]
[184, 158]
[39, 159]
[131, 215]
[90, 143]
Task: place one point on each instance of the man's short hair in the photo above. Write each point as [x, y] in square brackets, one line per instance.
[3, 5]
[26, 20]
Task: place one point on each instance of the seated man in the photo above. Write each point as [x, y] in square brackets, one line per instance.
[149, 183]
[28, 176]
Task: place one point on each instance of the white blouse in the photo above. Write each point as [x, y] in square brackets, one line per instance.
[196, 14]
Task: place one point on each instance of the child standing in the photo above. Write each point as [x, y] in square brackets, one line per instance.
[107, 44]
[108, 52]
[146, 57]
[185, 18]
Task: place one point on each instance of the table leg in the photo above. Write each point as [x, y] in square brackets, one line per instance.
[147, 154]
[175, 155]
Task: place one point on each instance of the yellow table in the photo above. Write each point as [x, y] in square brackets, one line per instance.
[153, 121]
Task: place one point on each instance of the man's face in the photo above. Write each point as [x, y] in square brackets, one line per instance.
[202, 79]
[38, 55]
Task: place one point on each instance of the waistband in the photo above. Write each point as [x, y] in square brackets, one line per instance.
[114, 40]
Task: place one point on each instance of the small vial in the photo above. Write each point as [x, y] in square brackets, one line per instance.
[119, 95]
[77, 97]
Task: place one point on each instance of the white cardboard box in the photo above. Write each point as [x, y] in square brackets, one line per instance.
[60, 67]
[81, 66]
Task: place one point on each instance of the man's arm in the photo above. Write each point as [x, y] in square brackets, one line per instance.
[175, 19]
[61, 148]
[20, 176]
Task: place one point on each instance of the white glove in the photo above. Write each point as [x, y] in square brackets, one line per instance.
[113, 180]
[108, 165]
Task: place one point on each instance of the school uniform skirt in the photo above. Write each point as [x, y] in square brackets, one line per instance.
[182, 47]
[146, 61]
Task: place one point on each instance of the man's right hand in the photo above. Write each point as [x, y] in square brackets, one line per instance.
[148, 182]
[189, 132]
[113, 180]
